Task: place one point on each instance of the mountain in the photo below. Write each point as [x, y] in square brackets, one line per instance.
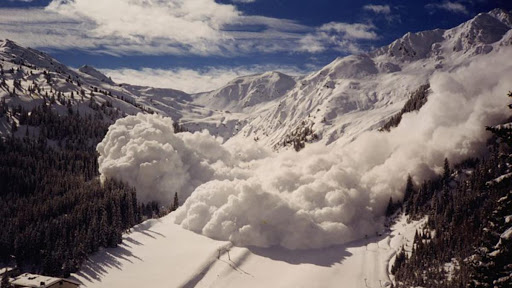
[246, 92]
[60, 114]
[357, 93]
[347, 97]
[96, 74]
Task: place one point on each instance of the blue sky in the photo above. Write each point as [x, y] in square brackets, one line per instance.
[207, 41]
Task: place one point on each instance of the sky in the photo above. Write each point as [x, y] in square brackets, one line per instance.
[172, 43]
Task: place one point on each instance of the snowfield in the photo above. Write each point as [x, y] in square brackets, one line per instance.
[159, 253]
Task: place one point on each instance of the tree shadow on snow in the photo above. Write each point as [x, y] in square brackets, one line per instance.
[94, 269]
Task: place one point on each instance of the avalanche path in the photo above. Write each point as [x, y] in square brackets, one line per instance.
[161, 253]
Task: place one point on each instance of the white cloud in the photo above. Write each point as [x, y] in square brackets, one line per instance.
[322, 195]
[193, 23]
[350, 31]
[157, 27]
[189, 80]
[338, 36]
[453, 7]
[379, 9]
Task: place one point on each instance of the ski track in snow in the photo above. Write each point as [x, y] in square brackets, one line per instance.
[161, 253]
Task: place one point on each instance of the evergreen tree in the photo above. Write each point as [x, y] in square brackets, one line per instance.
[409, 188]
[176, 203]
[470, 220]
[446, 169]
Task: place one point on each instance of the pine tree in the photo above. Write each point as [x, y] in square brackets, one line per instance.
[391, 207]
[176, 203]
[446, 170]
[409, 188]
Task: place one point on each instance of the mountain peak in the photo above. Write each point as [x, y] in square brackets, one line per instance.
[482, 30]
[11, 45]
[502, 15]
[248, 91]
[93, 72]
[8, 43]
[412, 46]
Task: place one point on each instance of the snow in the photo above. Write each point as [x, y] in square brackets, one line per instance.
[161, 253]
[96, 74]
[450, 268]
[4, 270]
[507, 234]
[337, 192]
[144, 151]
[246, 92]
[499, 179]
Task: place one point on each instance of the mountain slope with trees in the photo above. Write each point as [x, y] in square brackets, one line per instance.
[467, 239]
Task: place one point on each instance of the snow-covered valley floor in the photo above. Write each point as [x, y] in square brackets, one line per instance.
[159, 253]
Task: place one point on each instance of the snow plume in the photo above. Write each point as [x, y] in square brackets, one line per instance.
[143, 151]
[320, 196]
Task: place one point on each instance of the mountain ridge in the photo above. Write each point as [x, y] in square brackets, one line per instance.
[348, 96]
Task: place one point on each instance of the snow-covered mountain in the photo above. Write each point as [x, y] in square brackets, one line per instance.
[351, 95]
[337, 193]
[357, 93]
[244, 93]
[30, 77]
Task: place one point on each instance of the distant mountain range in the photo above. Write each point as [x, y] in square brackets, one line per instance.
[340, 101]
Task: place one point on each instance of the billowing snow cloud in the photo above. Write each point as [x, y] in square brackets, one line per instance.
[322, 195]
[143, 151]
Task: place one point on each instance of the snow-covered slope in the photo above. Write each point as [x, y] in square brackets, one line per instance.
[91, 71]
[158, 253]
[248, 92]
[40, 77]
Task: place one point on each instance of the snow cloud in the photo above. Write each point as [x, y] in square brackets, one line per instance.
[322, 195]
[144, 151]
[192, 81]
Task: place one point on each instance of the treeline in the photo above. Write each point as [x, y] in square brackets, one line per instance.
[415, 102]
[71, 131]
[53, 209]
[466, 209]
